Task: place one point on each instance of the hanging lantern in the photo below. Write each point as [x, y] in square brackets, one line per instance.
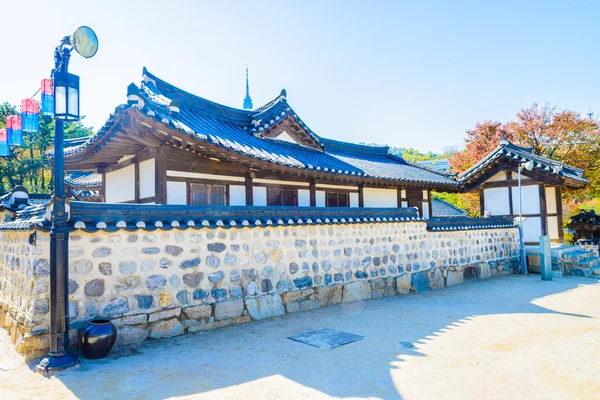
[4, 149]
[30, 115]
[47, 97]
[13, 130]
[66, 96]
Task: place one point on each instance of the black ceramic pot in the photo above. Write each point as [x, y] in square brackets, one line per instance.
[98, 339]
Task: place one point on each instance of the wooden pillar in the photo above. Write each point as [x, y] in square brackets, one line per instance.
[543, 209]
[481, 203]
[249, 190]
[361, 196]
[103, 188]
[160, 176]
[137, 181]
[312, 186]
[399, 196]
[559, 215]
[430, 201]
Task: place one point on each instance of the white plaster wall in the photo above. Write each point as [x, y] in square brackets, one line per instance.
[425, 195]
[259, 194]
[176, 193]
[380, 197]
[532, 229]
[353, 199]
[496, 201]
[531, 199]
[276, 182]
[500, 176]
[324, 186]
[147, 179]
[237, 195]
[425, 206]
[553, 229]
[303, 198]
[320, 198]
[182, 174]
[551, 200]
[120, 185]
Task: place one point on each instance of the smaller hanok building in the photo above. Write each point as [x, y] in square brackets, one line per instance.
[496, 178]
[167, 146]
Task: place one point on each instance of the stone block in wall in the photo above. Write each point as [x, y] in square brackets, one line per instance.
[419, 282]
[130, 320]
[436, 279]
[329, 295]
[131, 334]
[484, 270]
[296, 295]
[164, 314]
[355, 291]
[229, 309]
[389, 292]
[198, 312]
[35, 345]
[265, 306]
[402, 283]
[199, 326]
[454, 278]
[165, 329]
[302, 305]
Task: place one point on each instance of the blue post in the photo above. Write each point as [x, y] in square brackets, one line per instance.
[545, 258]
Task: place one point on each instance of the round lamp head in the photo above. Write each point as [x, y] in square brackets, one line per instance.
[85, 42]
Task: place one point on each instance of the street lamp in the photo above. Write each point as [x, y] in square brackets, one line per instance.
[528, 166]
[66, 108]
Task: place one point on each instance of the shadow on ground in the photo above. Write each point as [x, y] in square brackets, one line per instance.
[259, 357]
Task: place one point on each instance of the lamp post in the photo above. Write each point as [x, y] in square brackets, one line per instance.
[528, 166]
[66, 108]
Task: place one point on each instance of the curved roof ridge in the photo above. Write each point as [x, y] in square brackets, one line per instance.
[356, 148]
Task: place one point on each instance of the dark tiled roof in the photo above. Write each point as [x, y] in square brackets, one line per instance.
[466, 223]
[512, 152]
[235, 130]
[442, 208]
[83, 179]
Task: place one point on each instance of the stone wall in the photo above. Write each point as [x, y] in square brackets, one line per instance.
[169, 282]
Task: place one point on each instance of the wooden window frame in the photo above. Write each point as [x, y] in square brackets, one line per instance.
[282, 187]
[338, 192]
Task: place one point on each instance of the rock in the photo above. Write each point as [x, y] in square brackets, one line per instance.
[173, 250]
[165, 329]
[198, 312]
[361, 274]
[234, 276]
[144, 301]
[73, 285]
[267, 271]
[125, 282]
[302, 305]
[200, 294]
[327, 279]
[484, 270]
[174, 281]
[130, 320]
[216, 247]
[216, 277]
[218, 294]
[329, 295]
[229, 309]
[303, 282]
[94, 288]
[164, 314]
[194, 262]
[403, 283]
[101, 252]
[296, 295]
[80, 267]
[251, 289]
[165, 263]
[436, 280]
[165, 299]
[40, 306]
[105, 268]
[41, 286]
[260, 258]
[266, 285]
[293, 268]
[229, 259]
[91, 308]
[212, 261]
[235, 291]
[183, 297]
[130, 334]
[284, 286]
[354, 291]
[419, 282]
[127, 267]
[156, 281]
[377, 284]
[193, 279]
[366, 262]
[265, 306]
[250, 274]
[116, 306]
[150, 250]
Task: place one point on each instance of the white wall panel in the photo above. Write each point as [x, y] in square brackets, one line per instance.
[353, 199]
[176, 193]
[237, 195]
[303, 198]
[320, 198]
[147, 181]
[259, 195]
[425, 206]
[500, 176]
[531, 199]
[380, 197]
[496, 201]
[120, 185]
[532, 229]
[551, 200]
[182, 174]
[553, 229]
[276, 182]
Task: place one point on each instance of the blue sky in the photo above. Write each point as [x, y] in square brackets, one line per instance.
[408, 74]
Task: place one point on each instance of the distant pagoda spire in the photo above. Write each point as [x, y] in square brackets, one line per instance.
[247, 99]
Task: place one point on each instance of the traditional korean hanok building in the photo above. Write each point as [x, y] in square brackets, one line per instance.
[496, 179]
[167, 146]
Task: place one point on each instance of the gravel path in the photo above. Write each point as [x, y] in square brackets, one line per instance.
[505, 338]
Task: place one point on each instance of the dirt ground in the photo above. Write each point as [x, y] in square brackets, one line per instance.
[505, 338]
